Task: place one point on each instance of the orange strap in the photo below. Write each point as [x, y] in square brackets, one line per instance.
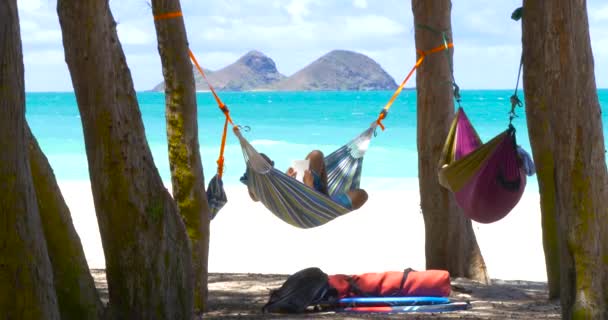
[220, 104]
[220, 159]
[390, 102]
[168, 15]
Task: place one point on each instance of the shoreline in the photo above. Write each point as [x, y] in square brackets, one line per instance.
[387, 233]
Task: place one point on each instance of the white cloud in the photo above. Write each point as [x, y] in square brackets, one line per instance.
[299, 9]
[295, 32]
[361, 4]
[215, 60]
[599, 14]
[34, 33]
[44, 57]
[132, 35]
[29, 5]
[371, 26]
[599, 41]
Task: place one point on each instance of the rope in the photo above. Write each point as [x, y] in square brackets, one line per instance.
[445, 38]
[515, 102]
[390, 102]
[223, 108]
[220, 104]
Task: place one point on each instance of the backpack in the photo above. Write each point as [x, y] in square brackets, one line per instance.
[302, 289]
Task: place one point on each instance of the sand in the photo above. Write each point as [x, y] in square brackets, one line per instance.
[242, 295]
[386, 234]
[252, 251]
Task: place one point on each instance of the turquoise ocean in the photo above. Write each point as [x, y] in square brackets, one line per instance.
[284, 125]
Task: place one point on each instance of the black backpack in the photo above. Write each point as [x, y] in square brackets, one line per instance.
[302, 289]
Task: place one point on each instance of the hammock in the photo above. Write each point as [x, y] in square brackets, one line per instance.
[296, 203]
[487, 179]
[288, 199]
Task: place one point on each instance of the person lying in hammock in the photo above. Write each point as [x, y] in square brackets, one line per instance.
[316, 178]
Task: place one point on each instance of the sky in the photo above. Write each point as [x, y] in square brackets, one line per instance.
[296, 32]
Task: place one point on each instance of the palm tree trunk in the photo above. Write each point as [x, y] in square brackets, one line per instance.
[559, 83]
[450, 241]
[146, 247]
[26, 275]
[182, 134]
[74, 285]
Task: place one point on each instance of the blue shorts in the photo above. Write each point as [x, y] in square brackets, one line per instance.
[342, 198]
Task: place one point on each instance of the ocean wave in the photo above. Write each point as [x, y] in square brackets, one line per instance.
[267, 142]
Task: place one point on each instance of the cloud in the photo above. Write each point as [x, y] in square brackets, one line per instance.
[29, 5]
[215, 60]
[367, 31]
[299, 9]
[295, 32]
[44, 57]
[599, 14]
[133, 35]
[371, 26]
[361, 4]
[33, 33]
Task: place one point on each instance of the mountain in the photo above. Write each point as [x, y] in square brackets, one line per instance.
[337, 70]
[252, 71]
[340, 70]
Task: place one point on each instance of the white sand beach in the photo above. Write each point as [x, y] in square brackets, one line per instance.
[386, 234]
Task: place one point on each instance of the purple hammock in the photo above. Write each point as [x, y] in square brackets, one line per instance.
[487, 179]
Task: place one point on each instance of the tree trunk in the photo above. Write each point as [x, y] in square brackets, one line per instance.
[559, 83]
[450, 240]
[74, 285]
[26, 276]
[146, 247]
[182, 134]
[541, 141]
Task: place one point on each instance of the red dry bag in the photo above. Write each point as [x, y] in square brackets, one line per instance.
[430, 283]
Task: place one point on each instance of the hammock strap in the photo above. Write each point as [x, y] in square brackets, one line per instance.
[220, 104]
[515, 102]
[422, 55]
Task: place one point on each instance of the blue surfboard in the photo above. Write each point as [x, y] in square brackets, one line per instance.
[447, 307]
[391, 301]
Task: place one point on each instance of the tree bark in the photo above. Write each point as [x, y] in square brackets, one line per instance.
[542, 141]
[26, 275]
[559, 84]
[146, 247]
[182, 135]
[450, 240]
[74, 285]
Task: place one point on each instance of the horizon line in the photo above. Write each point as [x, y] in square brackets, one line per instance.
[285, 91]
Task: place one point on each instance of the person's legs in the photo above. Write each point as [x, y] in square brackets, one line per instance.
[357, 197]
